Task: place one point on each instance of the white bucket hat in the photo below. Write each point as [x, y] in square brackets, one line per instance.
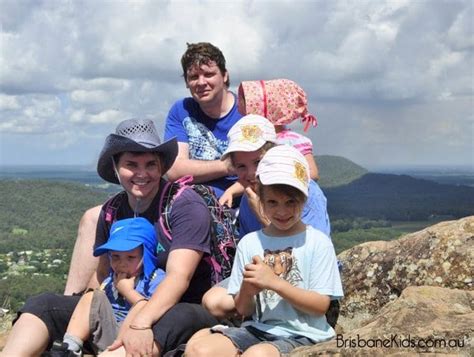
[250, 133]
[285, 165]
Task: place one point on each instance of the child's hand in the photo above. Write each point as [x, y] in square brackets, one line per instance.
[259, 274]
[123, 283]
[254, 204]
[230, 168]
[226, 199]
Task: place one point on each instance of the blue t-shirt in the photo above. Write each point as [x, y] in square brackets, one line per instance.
[206, 136]
[144, 287]
[314, 212]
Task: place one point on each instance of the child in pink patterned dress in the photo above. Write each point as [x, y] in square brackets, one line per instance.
[281, 101]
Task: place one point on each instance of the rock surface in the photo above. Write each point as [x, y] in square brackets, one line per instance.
[424, 319]
[419, 285]
[376, 273]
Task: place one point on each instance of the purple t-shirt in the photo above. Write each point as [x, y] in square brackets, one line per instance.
[189, 220]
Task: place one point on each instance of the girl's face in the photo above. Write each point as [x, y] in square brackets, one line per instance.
[245, 164]
[283, 211]
[129, 262]
[139, 174]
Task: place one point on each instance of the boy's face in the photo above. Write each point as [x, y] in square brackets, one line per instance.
[245, 164]
[129, 262]
[283, 211]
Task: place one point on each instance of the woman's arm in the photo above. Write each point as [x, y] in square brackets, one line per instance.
[83, 263]
[167, 294]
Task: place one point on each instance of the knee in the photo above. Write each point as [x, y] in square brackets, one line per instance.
[218, 302]
[44, 300]
[198, 348]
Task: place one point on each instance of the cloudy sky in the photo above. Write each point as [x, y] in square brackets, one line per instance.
[391, 82]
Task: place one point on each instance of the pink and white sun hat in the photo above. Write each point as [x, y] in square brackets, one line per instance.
[279, 100]
[250, 133]
[283, 164]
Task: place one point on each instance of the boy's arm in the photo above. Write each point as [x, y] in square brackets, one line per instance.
[313, 167]
[254, 204]
[306, 301]
[244, 300]
[236, 190]
[126, 287]
[261, 276]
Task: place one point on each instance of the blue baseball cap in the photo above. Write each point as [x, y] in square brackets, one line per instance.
[128, 234]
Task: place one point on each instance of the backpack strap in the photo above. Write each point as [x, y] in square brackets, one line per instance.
[171, 191]
[111, 206]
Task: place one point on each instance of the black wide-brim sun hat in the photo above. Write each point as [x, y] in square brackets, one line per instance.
[135, 135]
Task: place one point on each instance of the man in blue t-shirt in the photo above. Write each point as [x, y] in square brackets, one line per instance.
[201, 122]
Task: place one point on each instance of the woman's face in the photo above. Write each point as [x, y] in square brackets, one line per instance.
[245, 164]
[140, 174]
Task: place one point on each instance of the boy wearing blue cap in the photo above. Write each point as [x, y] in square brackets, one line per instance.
[133, 278]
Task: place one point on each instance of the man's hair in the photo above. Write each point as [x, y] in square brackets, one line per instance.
[203, 53]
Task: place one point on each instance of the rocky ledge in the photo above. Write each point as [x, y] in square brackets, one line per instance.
[409, 296]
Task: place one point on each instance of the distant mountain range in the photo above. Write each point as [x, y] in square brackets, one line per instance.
[351, 191]
[337, 170]
[354, 192]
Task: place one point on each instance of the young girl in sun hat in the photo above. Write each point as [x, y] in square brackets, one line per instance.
[284, 275]
[281, 101]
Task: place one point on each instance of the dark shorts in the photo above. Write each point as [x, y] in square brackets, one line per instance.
[175, 327]
[245, 337]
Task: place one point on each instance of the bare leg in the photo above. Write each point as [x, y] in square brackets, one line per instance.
[200, 334]
[262, 350]
[79, 323]
[83, 263]
[122, 353]
[28, 337]
[117, 353]
[218, 302]
[211, 345]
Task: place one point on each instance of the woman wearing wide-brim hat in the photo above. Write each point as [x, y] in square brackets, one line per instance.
[135, 158]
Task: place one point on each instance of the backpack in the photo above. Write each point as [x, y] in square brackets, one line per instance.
[223, 231]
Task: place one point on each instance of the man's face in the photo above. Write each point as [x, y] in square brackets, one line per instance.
[206, 83]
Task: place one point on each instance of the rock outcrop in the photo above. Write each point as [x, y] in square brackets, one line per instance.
[417, 288]
[376, 273]
[424, 319]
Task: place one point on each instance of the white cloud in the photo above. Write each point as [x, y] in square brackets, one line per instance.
[373, 70]
[8, 102]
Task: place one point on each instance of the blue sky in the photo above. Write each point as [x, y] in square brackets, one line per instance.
[391, 82]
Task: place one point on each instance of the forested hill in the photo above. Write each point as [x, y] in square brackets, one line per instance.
[40, 214]
[399, 198]
[337, 170]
